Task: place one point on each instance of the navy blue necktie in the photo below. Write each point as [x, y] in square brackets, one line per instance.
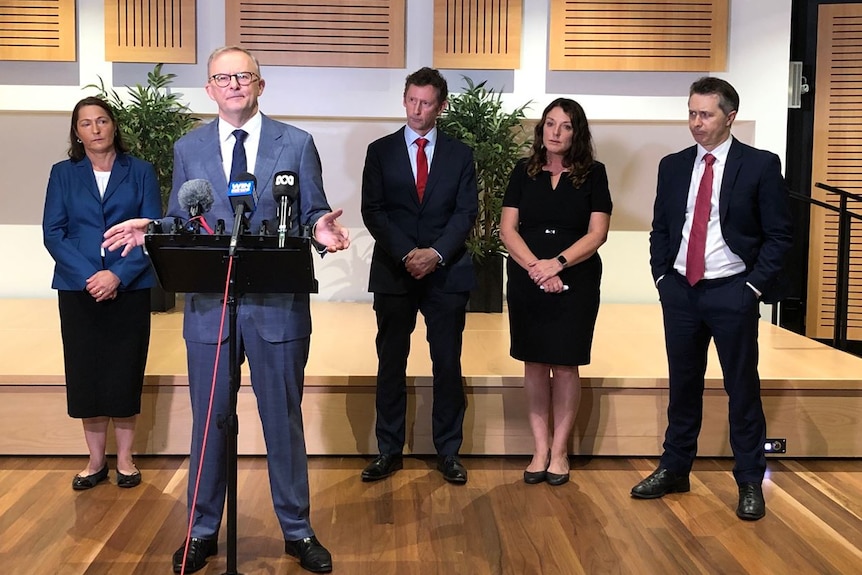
[238, 164]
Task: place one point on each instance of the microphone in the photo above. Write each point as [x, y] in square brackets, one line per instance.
[243, 195]
[285, 189]
[196, 197]
[243, 192]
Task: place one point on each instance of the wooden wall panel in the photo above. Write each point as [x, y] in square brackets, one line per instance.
[836, 162]
[657, 35]
[150, 31]
[342, 33]
[37, 30]
[477, 34]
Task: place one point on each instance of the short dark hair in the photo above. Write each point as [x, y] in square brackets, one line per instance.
[728, 99]
[76, 148]
[429, 77]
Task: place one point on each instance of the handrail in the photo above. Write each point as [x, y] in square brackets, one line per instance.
[842, 272]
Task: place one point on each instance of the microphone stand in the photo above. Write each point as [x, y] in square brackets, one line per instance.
[229, 423]
[283, 218]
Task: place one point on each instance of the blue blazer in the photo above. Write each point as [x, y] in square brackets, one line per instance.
[753, 209]
[398, 222]
[278, 317]
[75, 218]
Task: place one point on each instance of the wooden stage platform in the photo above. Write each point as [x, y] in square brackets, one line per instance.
[812, 393]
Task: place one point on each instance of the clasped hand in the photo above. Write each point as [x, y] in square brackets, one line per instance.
[421, 261]
[544, 275]
[103, 285]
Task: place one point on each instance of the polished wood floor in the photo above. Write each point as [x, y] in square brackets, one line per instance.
[415, 523]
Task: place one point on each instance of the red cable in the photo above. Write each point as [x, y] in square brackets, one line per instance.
[209, 414]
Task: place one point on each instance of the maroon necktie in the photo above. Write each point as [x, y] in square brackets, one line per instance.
[695, 263]
[421, 167]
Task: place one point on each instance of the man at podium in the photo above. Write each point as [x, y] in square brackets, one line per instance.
[273, 329]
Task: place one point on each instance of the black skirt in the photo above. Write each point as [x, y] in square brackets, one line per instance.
[105, 352]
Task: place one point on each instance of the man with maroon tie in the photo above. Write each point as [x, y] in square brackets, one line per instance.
[419, 202]
[721, 229]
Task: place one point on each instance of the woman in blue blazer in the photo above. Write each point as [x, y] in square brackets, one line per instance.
[103, 298]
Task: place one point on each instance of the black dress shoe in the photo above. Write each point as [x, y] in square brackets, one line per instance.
[452, 469]
[312, 555]
[751, 504]
[661, 482]
[382, 467]
[196, 559]
[80, 483]
[130, 480]
[556, 479]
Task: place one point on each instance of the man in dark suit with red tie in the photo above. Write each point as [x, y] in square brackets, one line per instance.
[720, 232]
[419, 202]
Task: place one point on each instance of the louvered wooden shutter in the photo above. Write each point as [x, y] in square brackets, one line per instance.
[150, 31]
[837, 161]
[368, 34]
[37, 30]
[658, 35]
[477, 34]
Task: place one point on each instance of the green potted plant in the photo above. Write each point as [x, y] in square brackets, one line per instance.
[151, 119]
[498, 139]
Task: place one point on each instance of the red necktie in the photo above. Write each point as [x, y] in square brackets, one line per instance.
[695, 263]
[421, 167]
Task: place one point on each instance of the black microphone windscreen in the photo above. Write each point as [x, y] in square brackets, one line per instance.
[196, 193]
[286, 184]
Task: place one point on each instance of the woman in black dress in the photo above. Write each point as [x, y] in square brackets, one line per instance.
[556, 214]
[104, 298]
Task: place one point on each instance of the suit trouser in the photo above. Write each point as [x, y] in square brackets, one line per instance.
[277, 370]
[445, 315]
[725, 310]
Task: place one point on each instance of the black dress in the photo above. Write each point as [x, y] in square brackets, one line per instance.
[555, 328]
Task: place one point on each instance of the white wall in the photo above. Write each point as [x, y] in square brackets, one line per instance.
[347, 108]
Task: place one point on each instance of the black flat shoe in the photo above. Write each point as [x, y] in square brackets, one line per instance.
[382, 467]
[196, 559]
[312, 555]
[80, 483]
[534, 477]
[131, 480]
[556, 479]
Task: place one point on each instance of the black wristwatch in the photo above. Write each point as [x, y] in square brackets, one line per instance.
[562, 259]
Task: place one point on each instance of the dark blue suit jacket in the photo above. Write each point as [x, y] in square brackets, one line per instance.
[398, 222]
[278, 317]
[755, 217]
[75, 218]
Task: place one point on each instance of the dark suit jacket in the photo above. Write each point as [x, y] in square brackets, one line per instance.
[755, 217]
[75, 218]
[278, 317]
[398, 222]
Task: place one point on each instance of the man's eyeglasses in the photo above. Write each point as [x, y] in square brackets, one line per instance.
[242, 78]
